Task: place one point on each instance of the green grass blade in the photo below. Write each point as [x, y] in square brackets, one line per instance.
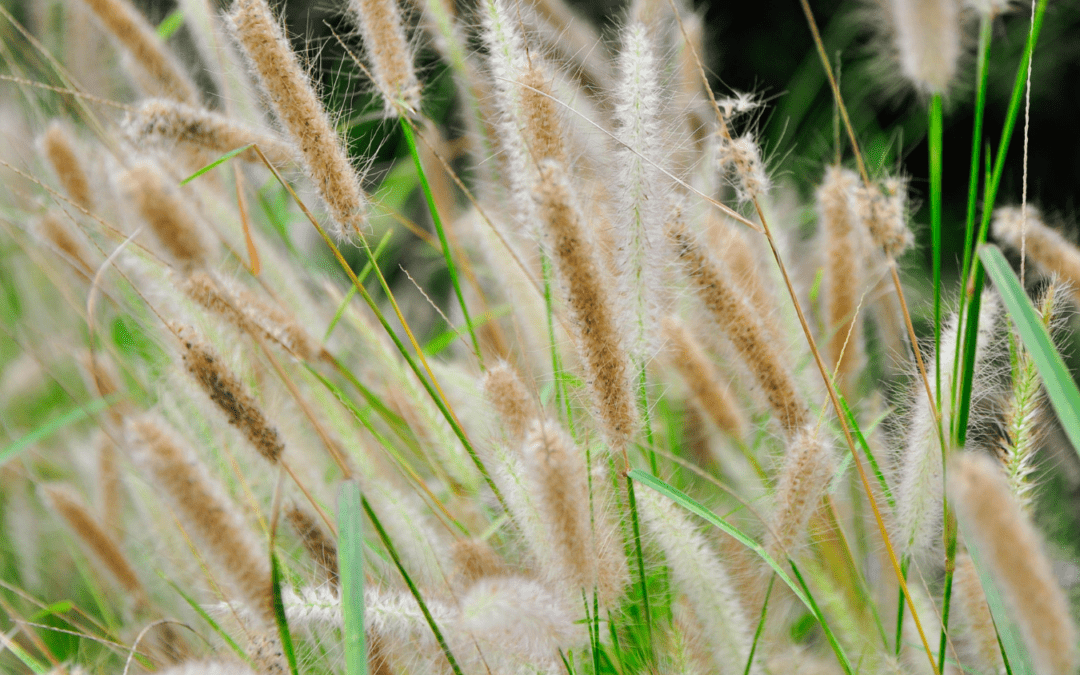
[760, 626]
[1012, 646]
[406, 127]
[170, 24]
[49, 428]
[861, 440]
[30, 662]
[216, 163]
[351, 564]
[385, 539]
[214, 626]
[279, 614]
[800, 591]
[934, 139]
[352, 289]
[1060, 386]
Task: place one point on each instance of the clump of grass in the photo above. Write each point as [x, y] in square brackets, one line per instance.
[522, 463]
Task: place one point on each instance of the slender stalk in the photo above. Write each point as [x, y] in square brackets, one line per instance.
[406, 127]
[935, 141]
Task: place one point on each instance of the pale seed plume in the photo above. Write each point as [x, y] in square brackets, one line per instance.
[542, 131]
[1046, 247]
[711, 394]
[301, 113]
[163, 122]
[591, 304]
[1013, 550]
[928, 41]
[316, 542]
[884, 209]
[975, 634]
[741, 324]
[513, 403]
[55, 228]
[389, 53]
[226, 391]
[64, 158]
[206, 515]
[139, 39]
[167, 213]
[808, 467]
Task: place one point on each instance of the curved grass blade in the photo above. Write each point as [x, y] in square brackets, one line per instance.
[688, 503]
[279, 614]
[351, 563]
[1055, 375]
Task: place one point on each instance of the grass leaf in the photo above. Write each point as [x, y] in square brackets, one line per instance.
[351, 564]
[170, 24]
[1055, 375]
[49, 428]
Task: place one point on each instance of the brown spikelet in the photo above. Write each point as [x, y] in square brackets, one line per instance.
[225, 390]
[843, 273]
[708, 391]
[581, 542]
[135, 34]
[1013, 551]
[378, 659]
[474, 559]
[301, 113]
[250, 314]
[975, 635]
[53, 228]
[541, 117]
[802, 482]
[319, 546]
[389, 53]
[1042, 244]
[730, 244]
[591, 306]
[506, 393]
[741, 324]
[110, 485]
[160, 120]
[167, 214]
[94, 536]
[206, 515]
[64, 158]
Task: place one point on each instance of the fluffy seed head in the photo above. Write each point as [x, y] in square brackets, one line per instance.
[225, 390]
[163, 209]
[1013, 550]
[162, 121]
[541, 114]
[53, 226]
[927, 38]
[590, 303]
[301, 113]
[209, 668]
[474, 559]
[884, 210]
[843, 272]
[709, 392]
[94, 536]
[135, 34]
[743, 327]
[389, 53]
[63, 156]
[507, 394]
[206, 514]
[742, 157]
[1045, 246]
[317, 544]
[975, 636]
[808, 466]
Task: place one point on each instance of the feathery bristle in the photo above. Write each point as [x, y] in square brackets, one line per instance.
[506, 393]
[239, 407]
[541, 115]
[94, 536]
[927, 37]
[160, 121]
[591, 306]
[708, 391]
[743, 327]
[742, 157]
[166, 212]
[389, 53]
[579, 539]
[209, 668]
[808, 467]
[884, 210]
[1045, 246]
[843, 273]
[319, 546]
[206, 515]
[135, 34]
[53, 226]
[63, 156]
[1013, 550]
[301, 113]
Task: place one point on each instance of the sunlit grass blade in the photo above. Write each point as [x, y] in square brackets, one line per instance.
[30, 662]
[1059, 383]
[202, 614]
[800, 591]
[352, 289]
[48, 429]
[170, 24]
[934, 138]
[760, 626]
[216, 163]
[279, 615]
[351, 563]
